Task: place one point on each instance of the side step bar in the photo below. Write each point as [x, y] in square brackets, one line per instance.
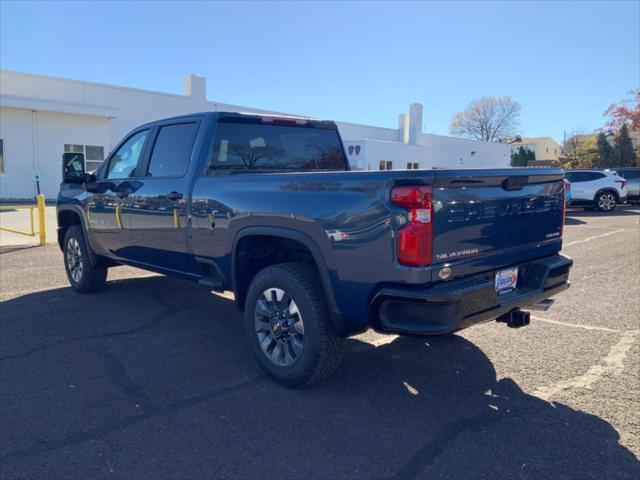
[213, 277]
[212, 283]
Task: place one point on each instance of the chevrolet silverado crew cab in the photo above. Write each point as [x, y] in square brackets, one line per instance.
[267, 207]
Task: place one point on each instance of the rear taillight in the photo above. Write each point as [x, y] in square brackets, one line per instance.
[622, 182]
[415, 239]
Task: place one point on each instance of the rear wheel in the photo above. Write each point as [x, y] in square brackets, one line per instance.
[286, 321]
[606, 201]
[83, 276]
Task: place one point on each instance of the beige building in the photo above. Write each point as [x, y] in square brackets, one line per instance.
[545, 148]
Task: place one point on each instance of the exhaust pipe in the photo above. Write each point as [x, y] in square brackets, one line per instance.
[516, 318]
[543, 305]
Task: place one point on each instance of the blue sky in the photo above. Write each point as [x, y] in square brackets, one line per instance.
[360, 62]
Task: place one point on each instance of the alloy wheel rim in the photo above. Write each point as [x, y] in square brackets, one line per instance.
[279, 327]
[74, 260]
[607, 202]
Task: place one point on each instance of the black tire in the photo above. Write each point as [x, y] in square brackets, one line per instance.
[318, 351]
[606, 201]
[83, 276]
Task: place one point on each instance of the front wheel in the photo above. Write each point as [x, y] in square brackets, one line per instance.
[606, 201]
[83, 276]
[286, 321]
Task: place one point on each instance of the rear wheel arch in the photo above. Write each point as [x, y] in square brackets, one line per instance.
[606, 199]
[276, 245]
[288, 325]
[607, 189]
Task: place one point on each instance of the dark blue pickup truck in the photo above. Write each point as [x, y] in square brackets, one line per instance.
[266, 207]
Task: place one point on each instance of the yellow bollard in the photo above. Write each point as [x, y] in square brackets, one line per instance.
[119, 216]
[176, 218]
[33, 230]
[41, 225]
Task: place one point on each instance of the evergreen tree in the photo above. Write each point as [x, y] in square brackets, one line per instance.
[624, 148]
[519, 158]
[607, 156]
[531, 156]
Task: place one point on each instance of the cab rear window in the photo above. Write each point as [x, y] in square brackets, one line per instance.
[247, 147]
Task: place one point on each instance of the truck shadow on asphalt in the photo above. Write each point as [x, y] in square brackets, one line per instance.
[152, 378]
[573, 221]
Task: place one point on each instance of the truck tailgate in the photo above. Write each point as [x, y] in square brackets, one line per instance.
[477, 213]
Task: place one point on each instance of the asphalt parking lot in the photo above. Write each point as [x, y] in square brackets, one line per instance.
[151, 378]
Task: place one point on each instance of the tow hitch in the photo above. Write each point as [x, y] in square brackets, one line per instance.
[516, 318]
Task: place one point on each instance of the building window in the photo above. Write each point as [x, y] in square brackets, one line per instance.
[93, 154]
[73, 148]
[1, 155]
[385, 165]
[412, 166]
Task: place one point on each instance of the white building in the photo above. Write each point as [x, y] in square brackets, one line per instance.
[409, 148]
[41, 117]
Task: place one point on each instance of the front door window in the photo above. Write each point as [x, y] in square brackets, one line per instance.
[125, 160]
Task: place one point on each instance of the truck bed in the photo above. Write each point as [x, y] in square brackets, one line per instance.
[483, 220]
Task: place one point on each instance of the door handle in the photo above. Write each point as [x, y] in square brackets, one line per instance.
[174, 196]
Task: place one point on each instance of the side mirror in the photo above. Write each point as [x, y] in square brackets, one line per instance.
[73, 168]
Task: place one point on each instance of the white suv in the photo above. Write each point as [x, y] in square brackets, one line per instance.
[596, 188]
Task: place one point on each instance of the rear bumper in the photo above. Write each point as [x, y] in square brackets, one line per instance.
[461, 303]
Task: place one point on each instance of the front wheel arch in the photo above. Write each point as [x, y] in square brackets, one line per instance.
[67, 218]
[83, 276]
[73, 215]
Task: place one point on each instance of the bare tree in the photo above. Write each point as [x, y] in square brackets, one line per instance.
[488, 119]
[571, 145]
[580, 149]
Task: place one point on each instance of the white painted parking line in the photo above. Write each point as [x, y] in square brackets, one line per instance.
[592, 227]
[576, 325]
[612, 364]
[595, 237]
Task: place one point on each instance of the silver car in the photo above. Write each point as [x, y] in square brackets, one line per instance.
[632, 176]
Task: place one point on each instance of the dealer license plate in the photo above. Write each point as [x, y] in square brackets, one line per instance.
[506, 280]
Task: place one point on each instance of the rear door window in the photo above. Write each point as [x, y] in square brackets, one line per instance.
[252, 147]
[172, 150]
